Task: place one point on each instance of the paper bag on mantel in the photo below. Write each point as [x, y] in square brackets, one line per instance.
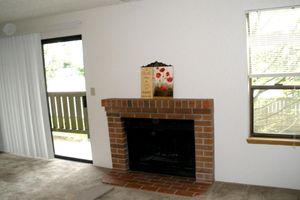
[157, 81]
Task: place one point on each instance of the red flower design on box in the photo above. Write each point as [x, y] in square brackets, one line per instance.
[163, 77]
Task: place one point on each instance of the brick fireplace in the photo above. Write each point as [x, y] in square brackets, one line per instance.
[198, 110]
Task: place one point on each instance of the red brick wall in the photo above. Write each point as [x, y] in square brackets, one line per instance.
[199, 110]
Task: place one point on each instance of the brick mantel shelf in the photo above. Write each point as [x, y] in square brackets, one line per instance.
[199, 110]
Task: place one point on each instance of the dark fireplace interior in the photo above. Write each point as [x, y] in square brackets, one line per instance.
[161, 146]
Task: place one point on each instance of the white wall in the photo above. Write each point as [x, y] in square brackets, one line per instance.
[206, 42]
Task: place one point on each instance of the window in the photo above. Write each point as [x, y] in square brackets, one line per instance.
[274, 72]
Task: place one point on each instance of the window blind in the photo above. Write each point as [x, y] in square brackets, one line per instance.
[274, 42]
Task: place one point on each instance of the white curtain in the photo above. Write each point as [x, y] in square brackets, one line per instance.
[24, 120]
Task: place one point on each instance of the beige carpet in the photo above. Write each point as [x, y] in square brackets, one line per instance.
[37, 179]
[33, 179]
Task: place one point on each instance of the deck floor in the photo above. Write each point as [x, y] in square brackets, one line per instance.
[72, 145]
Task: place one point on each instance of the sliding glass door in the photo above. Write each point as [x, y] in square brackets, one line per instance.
[64, 69]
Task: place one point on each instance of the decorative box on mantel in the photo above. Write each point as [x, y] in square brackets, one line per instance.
[201, 111]
[157, 80]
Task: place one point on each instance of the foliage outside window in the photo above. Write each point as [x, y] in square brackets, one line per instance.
[63, 59]
[274, 72]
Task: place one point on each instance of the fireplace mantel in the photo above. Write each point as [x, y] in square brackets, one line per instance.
[199, 110]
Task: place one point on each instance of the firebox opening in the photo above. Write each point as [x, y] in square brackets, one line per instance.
[161, 146]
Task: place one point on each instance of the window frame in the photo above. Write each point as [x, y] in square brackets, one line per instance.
[266, 87]
[268, 136]
[61, 39]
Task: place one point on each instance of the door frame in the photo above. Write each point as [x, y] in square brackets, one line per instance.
[49, 41]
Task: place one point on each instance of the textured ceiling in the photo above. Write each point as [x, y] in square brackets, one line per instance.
[11, 10]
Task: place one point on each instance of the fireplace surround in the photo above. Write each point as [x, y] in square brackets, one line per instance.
[198, 110]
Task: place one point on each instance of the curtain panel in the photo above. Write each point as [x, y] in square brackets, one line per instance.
[24, 120]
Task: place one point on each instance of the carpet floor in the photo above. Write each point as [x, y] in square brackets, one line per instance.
[24, 178]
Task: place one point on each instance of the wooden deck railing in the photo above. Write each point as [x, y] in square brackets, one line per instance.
[68, 112]
[278, 115]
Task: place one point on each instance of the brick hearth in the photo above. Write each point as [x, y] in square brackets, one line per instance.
[156, 182]
[199, 110]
